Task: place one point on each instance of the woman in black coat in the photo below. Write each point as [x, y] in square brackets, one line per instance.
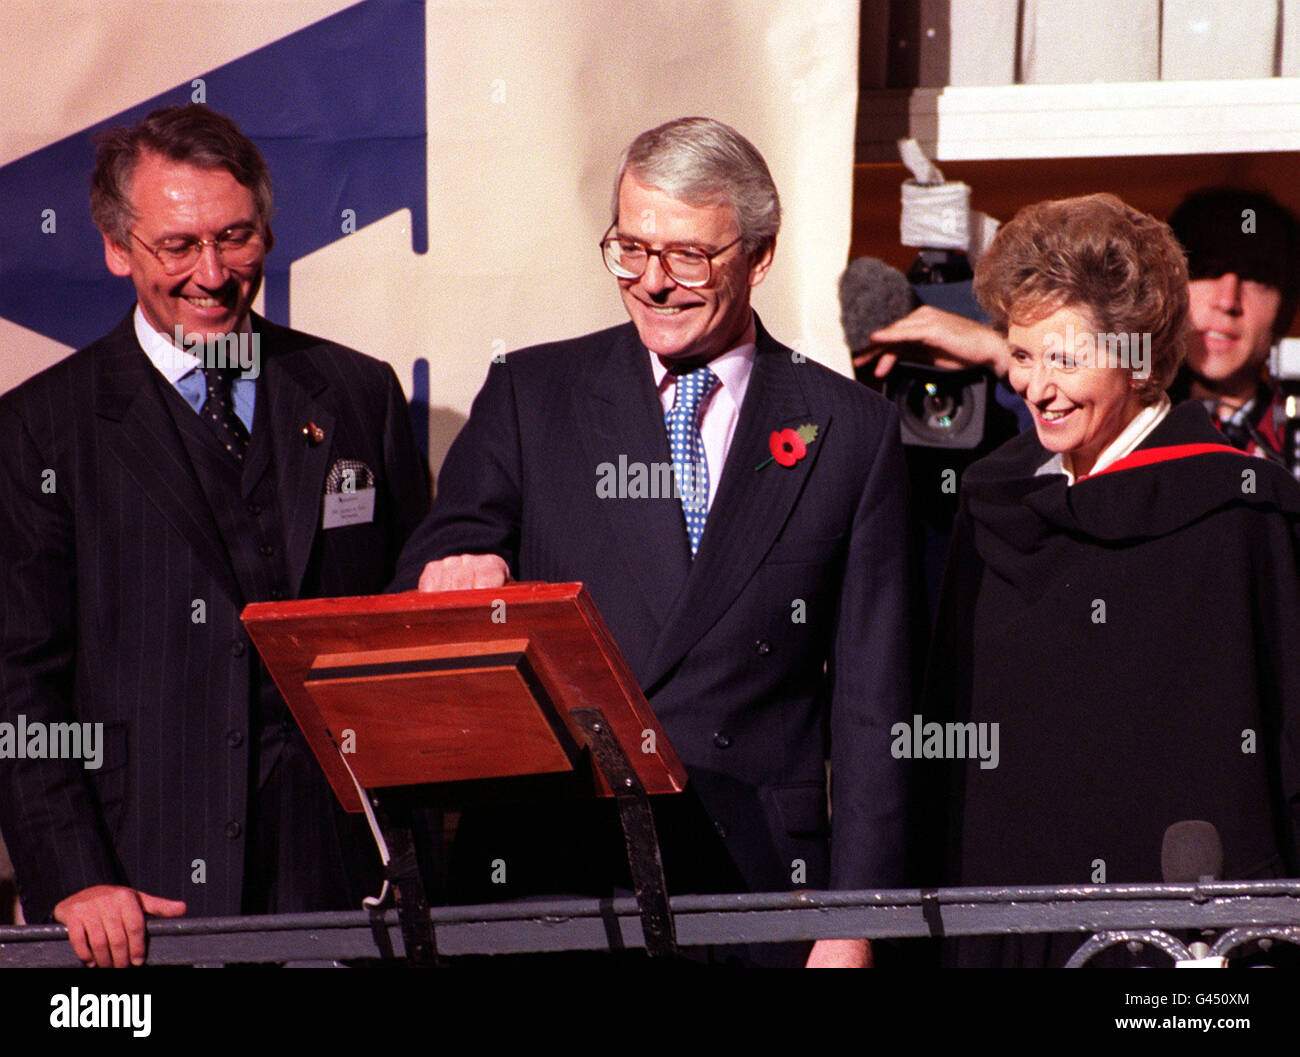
[1121, 611]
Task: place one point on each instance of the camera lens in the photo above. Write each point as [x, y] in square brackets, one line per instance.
[938, 408]
[935, 408]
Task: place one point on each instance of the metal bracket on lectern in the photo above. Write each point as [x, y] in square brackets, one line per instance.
[638, 831]
[403, 873]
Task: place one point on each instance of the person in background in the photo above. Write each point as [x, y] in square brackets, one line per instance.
[1243, 259]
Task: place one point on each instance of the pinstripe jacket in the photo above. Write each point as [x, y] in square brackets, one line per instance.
[107, 543]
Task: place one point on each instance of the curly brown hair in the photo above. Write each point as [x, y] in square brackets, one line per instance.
[1096, 254]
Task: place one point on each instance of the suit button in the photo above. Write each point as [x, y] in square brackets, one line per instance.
[254, 509]
[267, 550]
[235, 739]
[722, 741]
[237, 648]
[233, 830]
[276, 594]
[763, 647]
[721, 827]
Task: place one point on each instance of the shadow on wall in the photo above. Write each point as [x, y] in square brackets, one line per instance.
[444, 424]
[435, 427]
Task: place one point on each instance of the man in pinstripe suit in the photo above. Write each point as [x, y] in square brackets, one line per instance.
[148, 491]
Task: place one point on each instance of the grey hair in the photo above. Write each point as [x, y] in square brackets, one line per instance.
[193, 134]
[700, 161]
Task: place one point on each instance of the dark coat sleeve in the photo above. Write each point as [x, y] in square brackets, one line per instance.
[870, 673]
[408, 474]
[479, 505]
[48, 812]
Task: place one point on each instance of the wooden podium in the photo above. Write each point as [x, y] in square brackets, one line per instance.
[422, 689]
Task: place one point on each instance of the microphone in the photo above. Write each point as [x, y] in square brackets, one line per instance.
[872, 296]
[1191, 852]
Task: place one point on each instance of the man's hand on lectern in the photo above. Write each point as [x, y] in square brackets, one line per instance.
[463, 572]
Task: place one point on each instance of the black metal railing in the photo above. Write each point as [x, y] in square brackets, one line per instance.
[1240, 911]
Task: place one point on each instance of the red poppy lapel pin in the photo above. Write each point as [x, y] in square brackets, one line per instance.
[788, 446]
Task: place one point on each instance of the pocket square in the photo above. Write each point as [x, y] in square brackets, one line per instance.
[349, 475]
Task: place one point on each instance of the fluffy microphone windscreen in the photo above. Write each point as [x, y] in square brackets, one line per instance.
[872, 295]
[1191, 850]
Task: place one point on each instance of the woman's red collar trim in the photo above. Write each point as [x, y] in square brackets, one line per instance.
[1147, 456]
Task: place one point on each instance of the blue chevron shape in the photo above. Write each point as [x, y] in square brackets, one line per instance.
[337, 109]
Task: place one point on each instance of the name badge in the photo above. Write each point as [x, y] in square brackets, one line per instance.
[349, 508]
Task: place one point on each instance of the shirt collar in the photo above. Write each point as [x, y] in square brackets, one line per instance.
[733, 367]
[1245, 416]
[173, 363]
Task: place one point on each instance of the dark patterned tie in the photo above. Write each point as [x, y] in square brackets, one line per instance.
[690, 467]
[218, 411]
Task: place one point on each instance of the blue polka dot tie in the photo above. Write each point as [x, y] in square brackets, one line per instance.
[218, 411]
[690, 467]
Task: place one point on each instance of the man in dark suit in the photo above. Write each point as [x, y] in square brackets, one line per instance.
[148, 491]
[763, 608]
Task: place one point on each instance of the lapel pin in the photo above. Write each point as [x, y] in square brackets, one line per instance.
[788, 446]
[314, 434]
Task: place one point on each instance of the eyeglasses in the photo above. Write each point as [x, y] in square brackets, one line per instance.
[237, 248]
[686, 266]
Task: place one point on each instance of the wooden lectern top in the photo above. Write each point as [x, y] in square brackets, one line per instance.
[420, 687]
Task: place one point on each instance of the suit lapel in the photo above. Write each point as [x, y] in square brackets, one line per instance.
[296, 397]
[142, 436]
[751, 507]
[621, 415]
